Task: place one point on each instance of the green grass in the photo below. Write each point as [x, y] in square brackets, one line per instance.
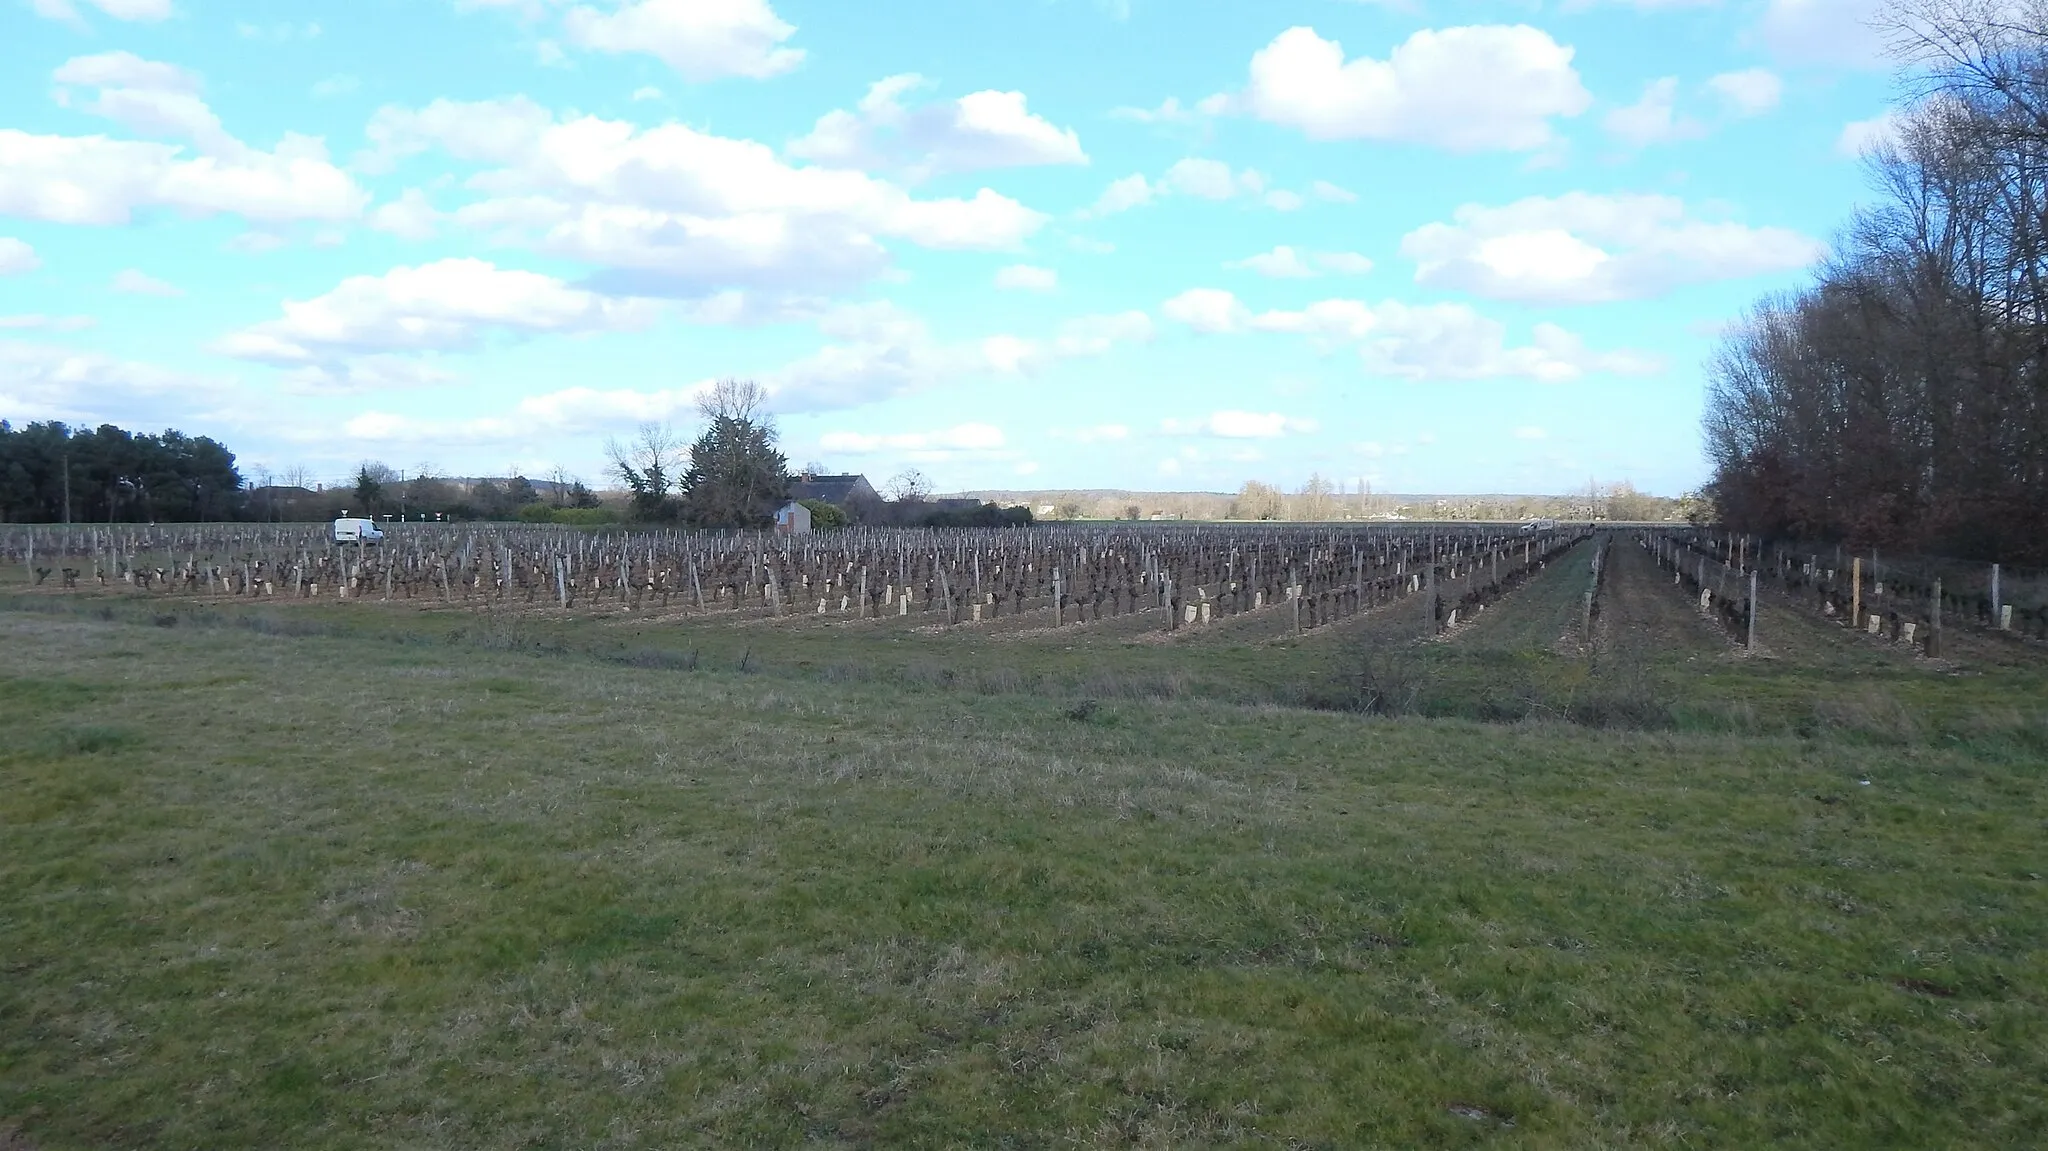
[343, 877]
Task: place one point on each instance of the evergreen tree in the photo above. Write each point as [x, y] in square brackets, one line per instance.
[736, 477]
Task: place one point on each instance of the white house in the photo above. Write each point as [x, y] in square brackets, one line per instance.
[792, 519]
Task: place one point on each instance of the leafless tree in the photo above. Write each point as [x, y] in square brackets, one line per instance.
[649, 466]
[1902, 399]
[910, 486]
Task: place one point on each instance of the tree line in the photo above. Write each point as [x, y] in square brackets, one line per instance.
[53, 473]
[1901, 400]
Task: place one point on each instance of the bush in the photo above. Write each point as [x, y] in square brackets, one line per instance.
[586, 517]
[824, 515]
[537, 514]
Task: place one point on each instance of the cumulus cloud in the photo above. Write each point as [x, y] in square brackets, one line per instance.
[1750, 92]
[700, 39]
[1425, 342]
[446, 305]
[132, 282]
[1584, 248]
[1285, 262]
[17, 257]
[97, 180]
[410, 217]
[1026, 278]
[1652, 119]
[979, 131]
[1468, 89]
[674, 211]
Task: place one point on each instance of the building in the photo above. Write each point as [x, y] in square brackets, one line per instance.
[792, 519]
[852, 494]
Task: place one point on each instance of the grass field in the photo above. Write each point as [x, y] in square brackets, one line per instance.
[353, 875]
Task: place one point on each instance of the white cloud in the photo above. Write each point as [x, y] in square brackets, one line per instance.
[1122, 195]
[1239, 425]
[337, 85]
[1209, 310]
[1170, 111]
[960, 438]
[448, 304]
[1282, 262]
[17, 257]
[1343, 263]
[1466, 89]
[671, 210]
[1026, 278]
[129, 281]
[1195, 176]
[1860, 136]
[1096, 335]
[132, 10]
[48, 382]
[1433, 341]
[376, 373]
[1651, 120]
[1332, 194]
[1750, 92]
[646, 92]
[410, 217]
[700, 39]
[37, 320]
[979, 131]
[1210, 180]
[1285, 262]
[1835, 32]
[878, 351]
[146, 97]
[1584, 248]
[1531, 433]
[96, 180]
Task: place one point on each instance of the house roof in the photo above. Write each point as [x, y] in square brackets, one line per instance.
[831, 489]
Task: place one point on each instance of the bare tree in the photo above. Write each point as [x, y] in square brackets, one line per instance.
[649, 466]
[910, 486]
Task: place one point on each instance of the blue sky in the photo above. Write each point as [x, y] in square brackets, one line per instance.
[1168, 244]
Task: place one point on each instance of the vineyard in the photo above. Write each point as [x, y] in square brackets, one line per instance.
[1134, 834]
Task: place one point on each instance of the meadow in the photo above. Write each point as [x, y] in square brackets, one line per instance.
[434, 873]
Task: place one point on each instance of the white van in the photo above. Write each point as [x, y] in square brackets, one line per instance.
[354, 531]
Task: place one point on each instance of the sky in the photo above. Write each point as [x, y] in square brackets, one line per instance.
[1429, 246]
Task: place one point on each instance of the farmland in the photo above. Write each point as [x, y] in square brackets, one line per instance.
[1076, 837]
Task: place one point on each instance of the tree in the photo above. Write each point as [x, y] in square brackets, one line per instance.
[736, 478]
[1257, 501]
[1318, 500]
[369, 490]
[649, 465]
[1901, 400]
[910, 487]
[520, 491]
